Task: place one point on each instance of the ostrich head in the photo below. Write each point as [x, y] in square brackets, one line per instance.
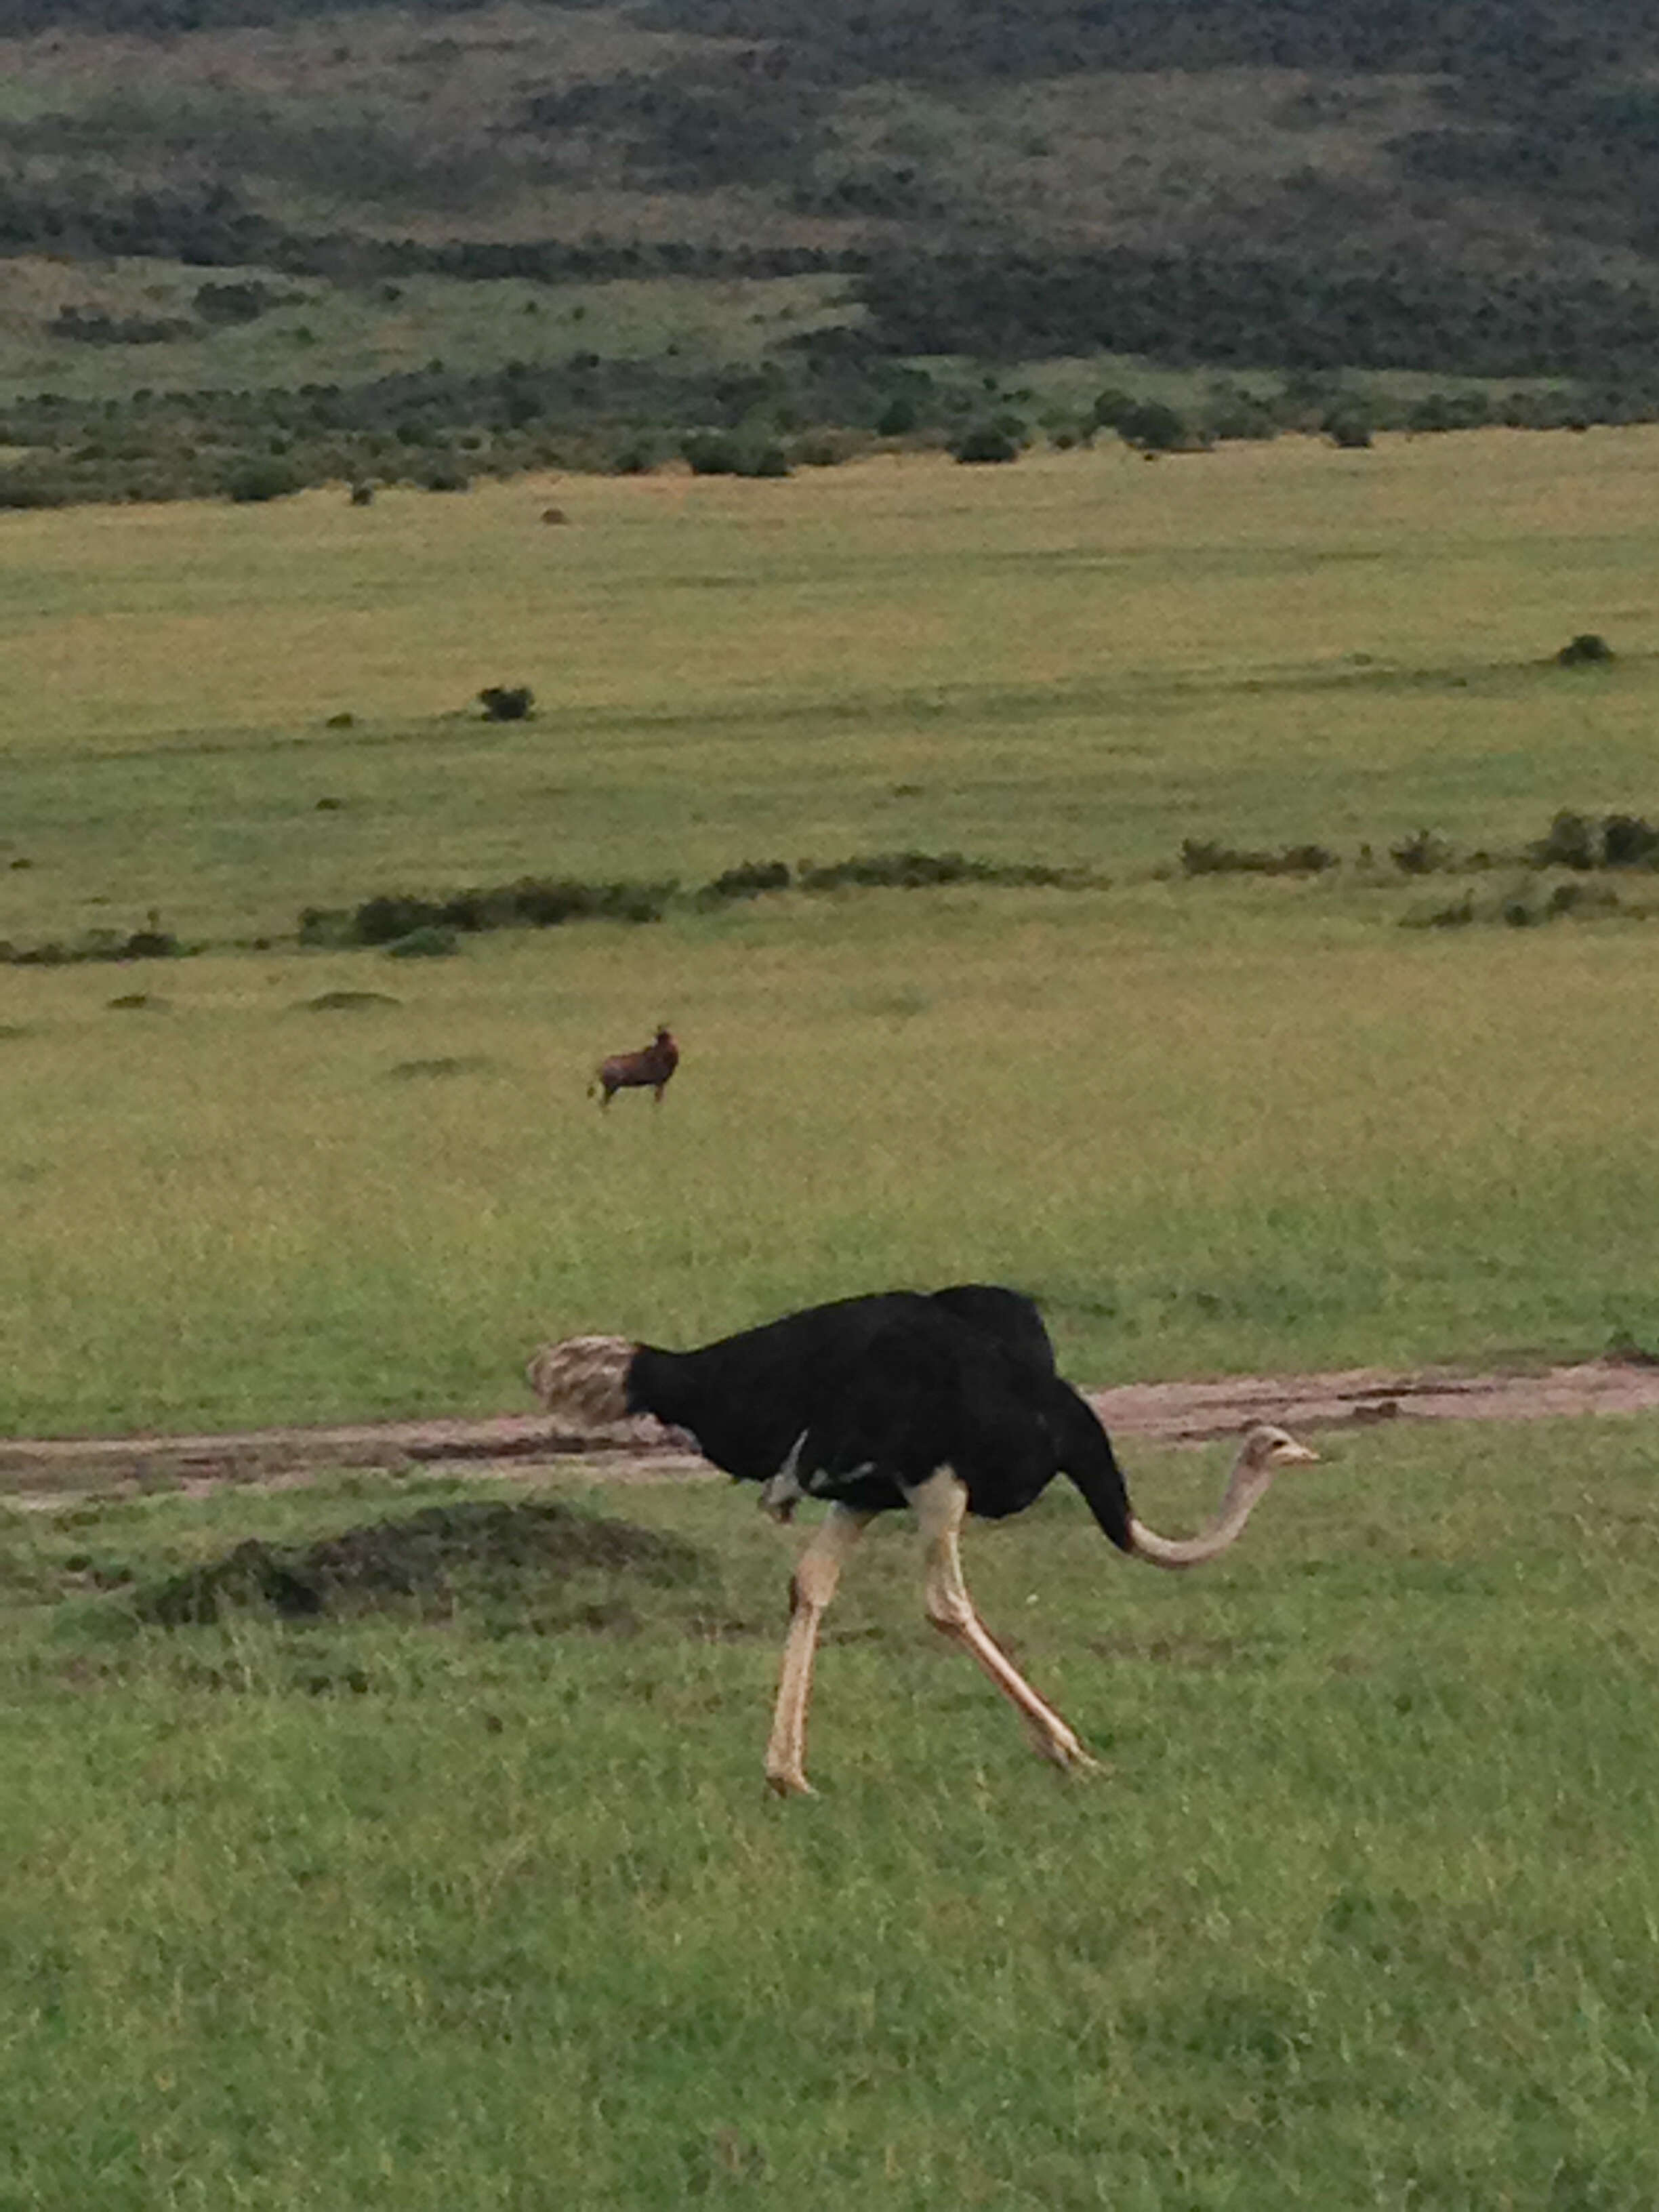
[584, 1380]
[1264, 1449]
[1267, 1448]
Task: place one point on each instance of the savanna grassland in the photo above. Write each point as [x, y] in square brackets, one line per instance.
[1214, 1122]
[473, 1897]
[462, 1890]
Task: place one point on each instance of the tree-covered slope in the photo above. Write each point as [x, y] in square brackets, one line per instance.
[236, 196]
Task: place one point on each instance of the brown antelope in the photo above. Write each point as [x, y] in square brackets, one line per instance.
[637, 1071]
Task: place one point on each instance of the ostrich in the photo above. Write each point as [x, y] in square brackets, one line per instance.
[648, 1069]
[946, 1401]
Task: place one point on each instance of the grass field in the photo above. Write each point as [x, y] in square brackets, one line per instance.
[1214, 1123]
[473, 1899]
[488, 1909]
[323, 333]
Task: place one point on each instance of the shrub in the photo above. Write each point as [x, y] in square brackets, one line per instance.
[20, 491]
[1422, 854]
[1230, 411]
[427, 943]
[746, 881]
[1571, 843]
[1585, 900]
[1584, 651]
[1111, 406]
[382, 921]
[503, 703]
[986, 442]
[824, 449]
[530, 903]
[149, 943]
[914, 870]
[263, 479]
[228, 304]
[1200, 856]
[331, 926]
[1153, 427]
[1628, 842]
[1347, 428]
[712, 453]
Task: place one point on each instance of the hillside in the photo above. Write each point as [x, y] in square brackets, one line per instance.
[567, 233]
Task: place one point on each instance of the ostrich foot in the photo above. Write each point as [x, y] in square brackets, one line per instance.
[788, 1782]
[1062, 1749]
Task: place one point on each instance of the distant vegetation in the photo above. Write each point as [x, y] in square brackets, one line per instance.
[1461, 187]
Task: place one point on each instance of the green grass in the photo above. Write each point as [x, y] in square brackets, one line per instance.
[488, 1909]
[1213, 1124]
[405, 1915]
[1379, 1146]
[1080, 658]
[318, 332]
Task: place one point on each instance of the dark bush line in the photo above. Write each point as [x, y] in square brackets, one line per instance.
[99, 945]
[746, 881]
[1199, 856]
[212, 226]
[1572, 841]
[907, 872]
[815, 402]
[912, 870]
[393, 919]
[1617, 841]
[1531, 906]
[1216, 305]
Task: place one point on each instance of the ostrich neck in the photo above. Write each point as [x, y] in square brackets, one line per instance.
[1237, 1505]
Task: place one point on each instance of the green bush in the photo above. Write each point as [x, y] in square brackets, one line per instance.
[270, 478]
[746, 881]
[1570, 842]
[986, 442]
[1422, 854]
[506, 702]
[18, 491]
[427, 943]
[1200, 856]
[914, 871]
[1628, 842]
[1154, 428]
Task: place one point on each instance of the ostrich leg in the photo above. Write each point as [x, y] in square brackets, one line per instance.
[817, 1573]
[941, 1505]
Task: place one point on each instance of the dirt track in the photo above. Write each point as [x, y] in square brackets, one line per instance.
[40, 1471]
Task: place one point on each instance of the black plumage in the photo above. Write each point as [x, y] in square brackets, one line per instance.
[871, 1395]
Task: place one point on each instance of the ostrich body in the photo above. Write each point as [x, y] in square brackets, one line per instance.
[945, 1401]
[648, 1069]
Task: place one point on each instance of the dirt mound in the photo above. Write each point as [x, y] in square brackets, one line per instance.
[490, 1555]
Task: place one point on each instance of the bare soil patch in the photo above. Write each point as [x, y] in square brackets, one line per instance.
[39, 1471]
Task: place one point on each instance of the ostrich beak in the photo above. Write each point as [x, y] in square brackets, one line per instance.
[1297, 1456]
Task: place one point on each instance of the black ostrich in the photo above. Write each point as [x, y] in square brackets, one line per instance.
[946, 1401]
